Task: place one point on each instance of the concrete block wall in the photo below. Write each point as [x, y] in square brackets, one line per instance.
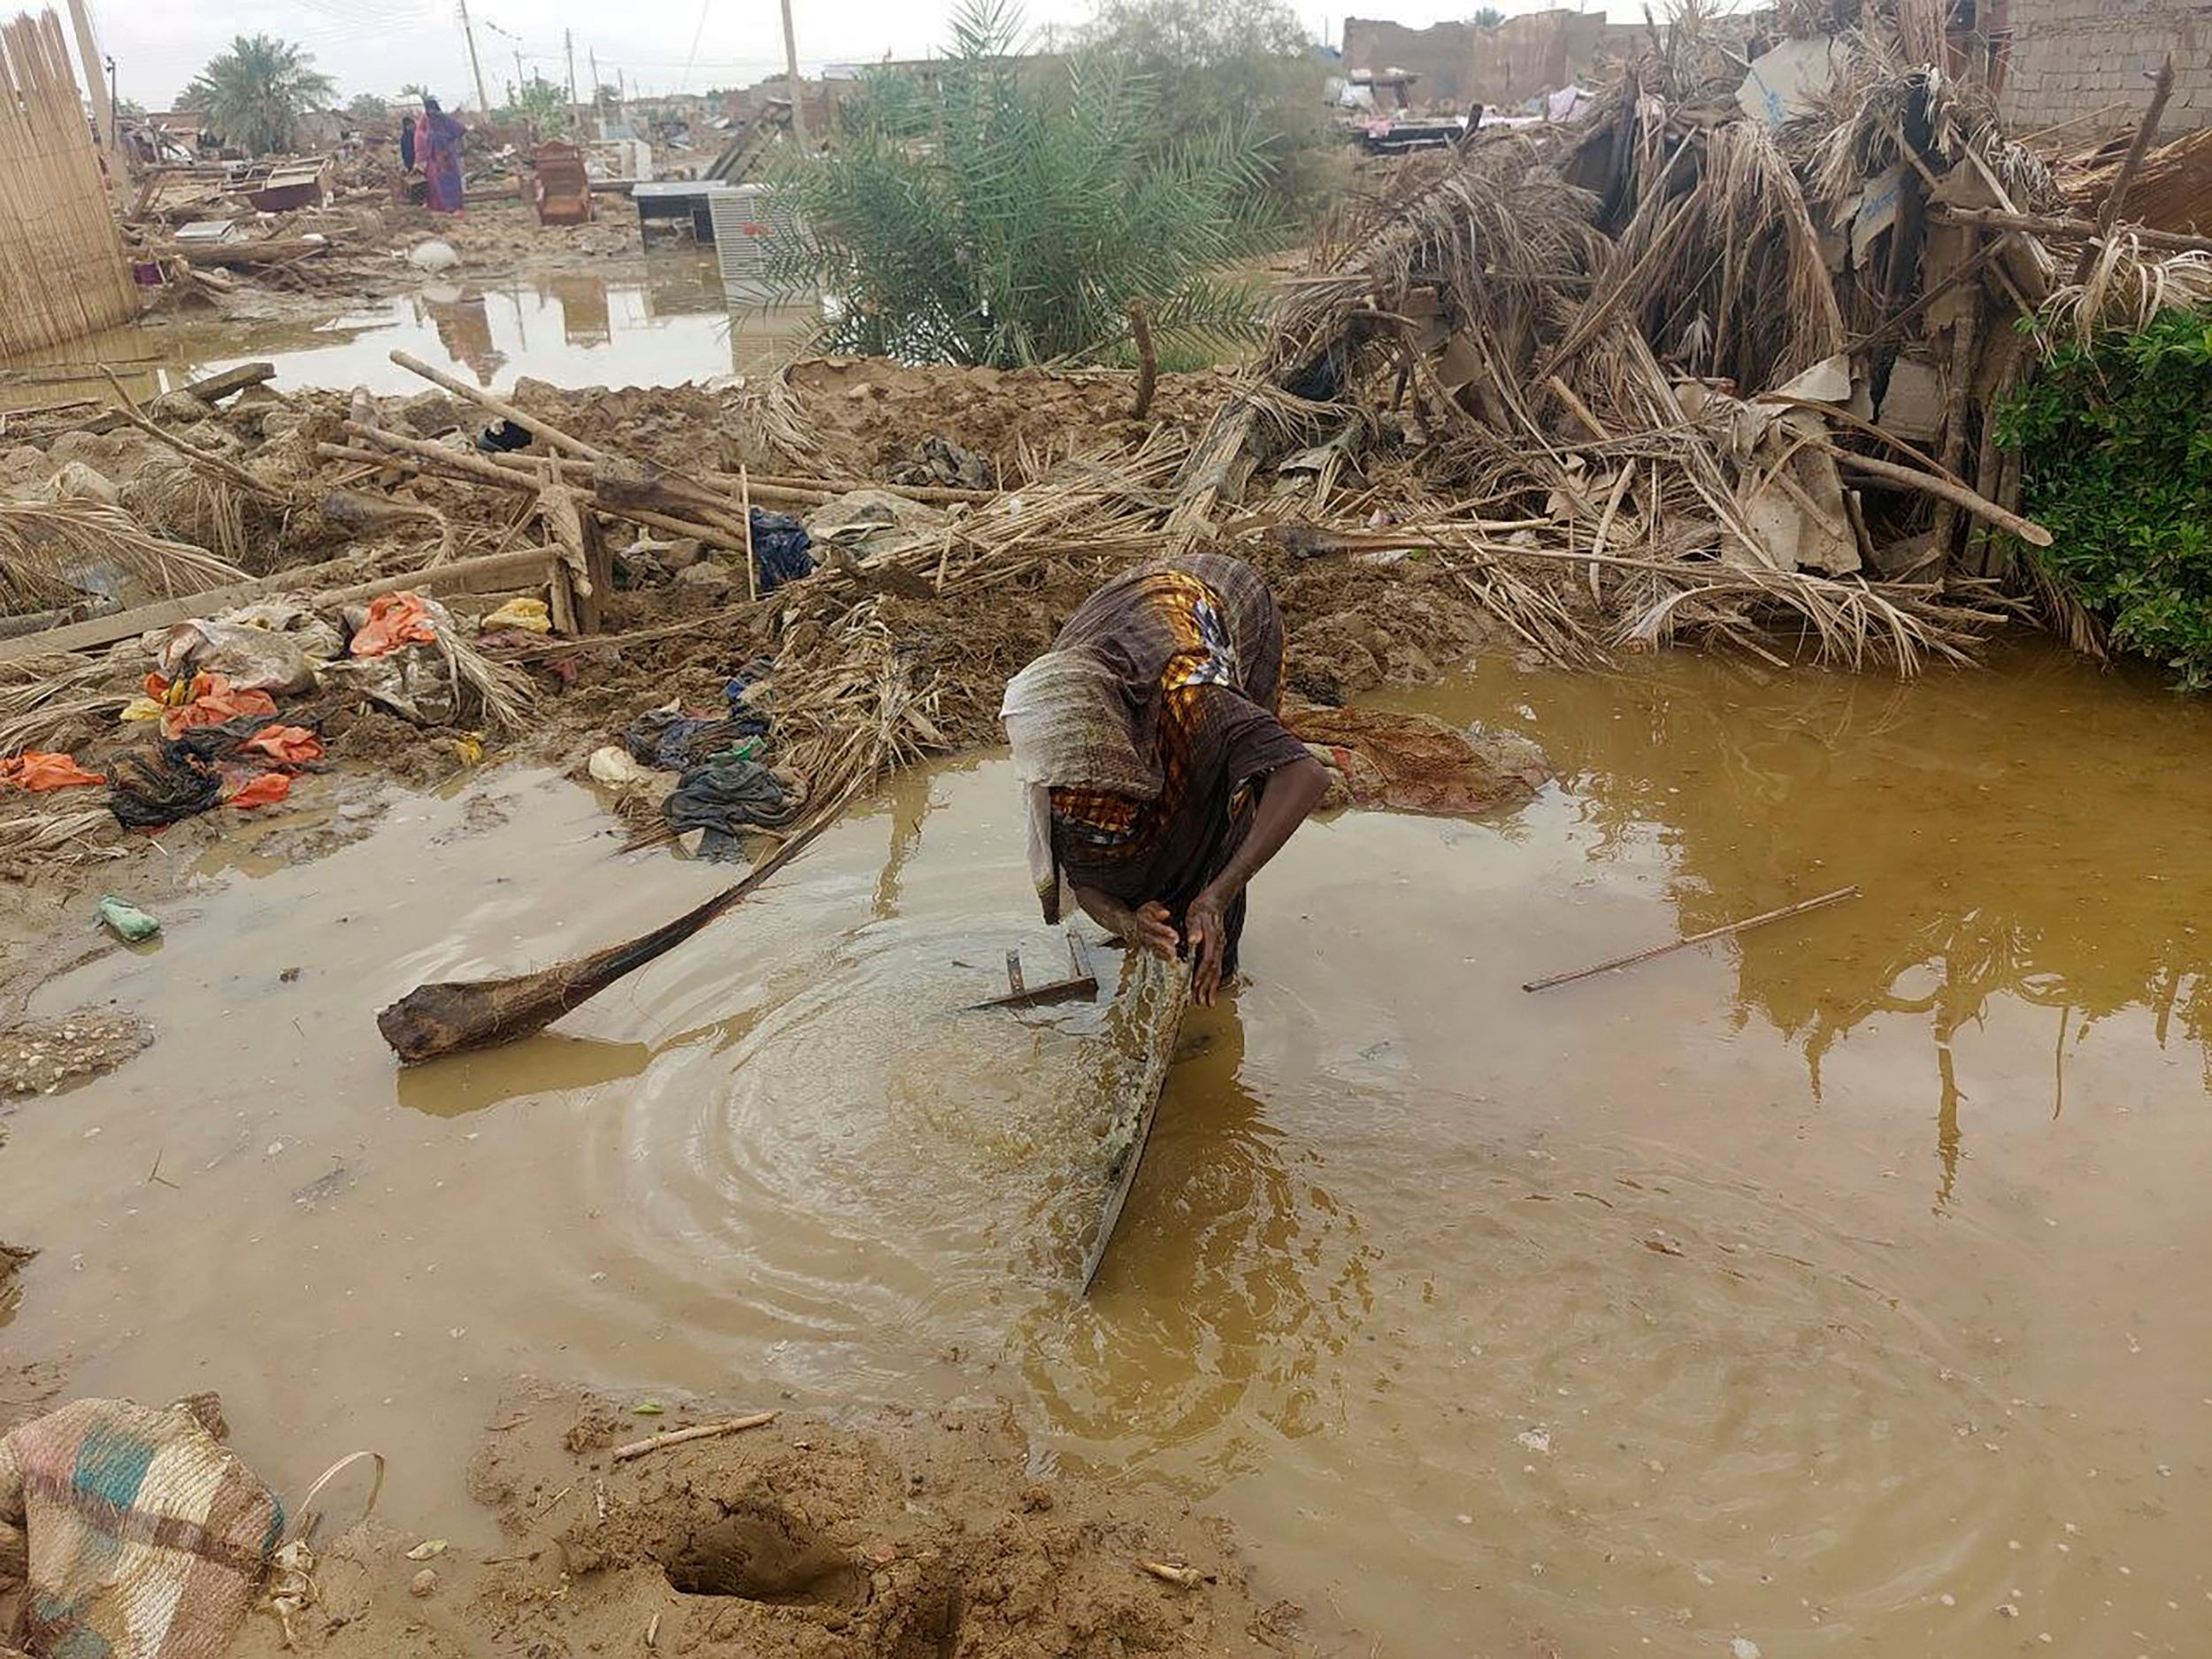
[2073, 58]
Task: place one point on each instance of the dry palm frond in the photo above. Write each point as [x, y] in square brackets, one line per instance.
[58, 547]
[62, 834]
[180, 501]
[504, 695]
[54, 701]
[772, 429]
[2126, 286]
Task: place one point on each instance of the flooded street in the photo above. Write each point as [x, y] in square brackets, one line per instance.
[1830, 1289]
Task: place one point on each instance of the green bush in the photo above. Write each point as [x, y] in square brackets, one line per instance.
[1003, 211]
[2114, 439]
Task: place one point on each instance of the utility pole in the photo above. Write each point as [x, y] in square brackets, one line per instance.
[791, 64]
[575, 110]
[483, 98]
[592, 54]
[519, 82]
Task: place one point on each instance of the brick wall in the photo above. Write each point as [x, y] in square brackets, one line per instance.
[1443, 56]
[2074, 57]
[1532, 54]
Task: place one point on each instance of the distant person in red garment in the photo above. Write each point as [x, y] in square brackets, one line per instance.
[438, 148]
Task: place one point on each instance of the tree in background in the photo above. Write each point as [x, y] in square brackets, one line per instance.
[366, 107]
[1005, 212]
[540, 104]
[1487, 17]
[254, 94]
[1234, 60]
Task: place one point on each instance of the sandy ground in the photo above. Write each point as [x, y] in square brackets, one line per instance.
[920, 1536]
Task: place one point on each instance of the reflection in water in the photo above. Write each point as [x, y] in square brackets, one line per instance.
[540, 1064]
[658, 321]
[2031, 846]
[1234, 1280]
[464, 329]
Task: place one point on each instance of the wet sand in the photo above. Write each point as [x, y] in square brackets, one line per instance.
[1829, 1289]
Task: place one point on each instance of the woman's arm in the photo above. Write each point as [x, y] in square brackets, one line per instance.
[1286, 796]
[1147, 927]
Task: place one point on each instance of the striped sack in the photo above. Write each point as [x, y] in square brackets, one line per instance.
[145, 1536]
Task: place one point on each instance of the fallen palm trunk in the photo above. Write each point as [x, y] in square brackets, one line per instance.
[452, 1015]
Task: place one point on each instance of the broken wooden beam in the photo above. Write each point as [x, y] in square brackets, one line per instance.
[2050, 226]
[214, 387]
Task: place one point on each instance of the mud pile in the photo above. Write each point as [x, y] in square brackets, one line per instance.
[887, 1536]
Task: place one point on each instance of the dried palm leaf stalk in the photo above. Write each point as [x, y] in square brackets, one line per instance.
[55, 549]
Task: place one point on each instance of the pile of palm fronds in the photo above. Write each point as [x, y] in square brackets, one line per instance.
[52, 552]
[1669, 370]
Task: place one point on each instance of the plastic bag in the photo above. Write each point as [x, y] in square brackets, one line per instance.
[394, 619]
[210, 700]
[529, 615]
[286, 745]
[250, 658]
[39, 771]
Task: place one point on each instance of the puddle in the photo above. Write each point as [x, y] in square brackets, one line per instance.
[1828, 1288]
[660, 320]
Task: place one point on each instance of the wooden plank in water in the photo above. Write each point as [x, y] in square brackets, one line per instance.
[1152, 1021]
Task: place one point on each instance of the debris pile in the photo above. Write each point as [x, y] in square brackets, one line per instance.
[1718, 358]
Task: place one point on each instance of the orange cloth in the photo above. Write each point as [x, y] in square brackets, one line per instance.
[211, 701]
[267, 790]
[35, 769]
[394, 619]
[290, 745]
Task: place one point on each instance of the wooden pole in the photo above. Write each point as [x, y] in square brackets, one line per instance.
[575, 109]
[2046, 225]
[745, 518]
[103, 110]
[1723, 931]
[2162, 88]
[1943, 489]
[506, 410]
[791, 68]
[679, 1437]
[476, 67]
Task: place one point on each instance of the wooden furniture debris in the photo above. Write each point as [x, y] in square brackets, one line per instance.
[559, 188]
[1080, 985]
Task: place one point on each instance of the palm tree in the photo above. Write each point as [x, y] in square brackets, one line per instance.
[254, 93]
[1488, 17]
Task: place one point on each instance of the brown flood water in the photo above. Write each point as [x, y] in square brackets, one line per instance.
[1829, 1290]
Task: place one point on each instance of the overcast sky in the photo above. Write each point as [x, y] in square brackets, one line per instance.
[661, 45]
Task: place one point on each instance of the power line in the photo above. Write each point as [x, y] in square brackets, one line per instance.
[692, 58]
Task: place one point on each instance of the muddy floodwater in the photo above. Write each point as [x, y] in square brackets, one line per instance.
[659, 320]
[1836, 1290]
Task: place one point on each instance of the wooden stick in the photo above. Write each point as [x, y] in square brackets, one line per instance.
[679, 1437]
[2109, 215]
[745, 518]
[1944, 490]
[1148, 361]
[199, 458]
[1726, 931]
[2044, 225]
[506, 410]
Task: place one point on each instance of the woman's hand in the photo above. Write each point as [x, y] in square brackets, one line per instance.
[1147, 928]
[1208, 937]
